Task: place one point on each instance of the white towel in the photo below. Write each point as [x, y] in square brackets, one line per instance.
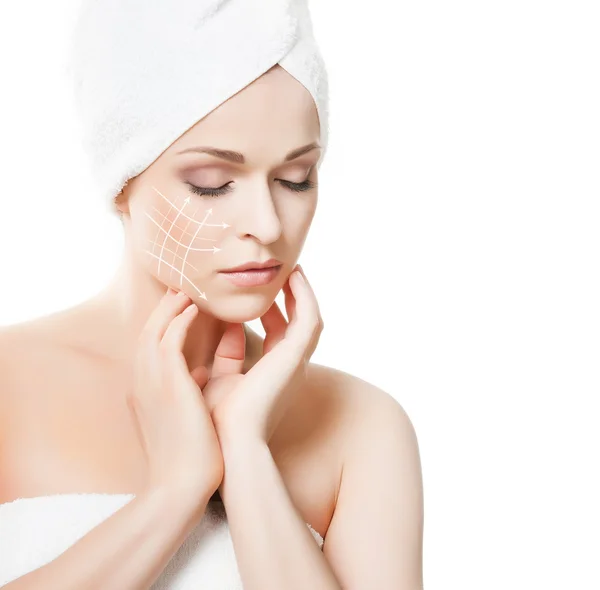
[145, 71]
[35, 531]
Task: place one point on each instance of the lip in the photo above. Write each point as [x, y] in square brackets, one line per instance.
[253, 265]
[252, 277]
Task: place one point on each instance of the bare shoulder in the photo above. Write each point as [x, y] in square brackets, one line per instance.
[50, 401]
[367, 407]
[22, 343]
[15, 344]
[367, 420]
[29, 351]
[30, 336]
[18, 351]
[380, 494]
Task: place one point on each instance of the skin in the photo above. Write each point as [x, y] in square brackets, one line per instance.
[65, 389]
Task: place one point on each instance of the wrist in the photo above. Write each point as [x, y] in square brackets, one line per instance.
[239, 456]
[240, 445]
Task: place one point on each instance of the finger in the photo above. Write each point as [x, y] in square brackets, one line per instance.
[200, 376]
[290, 301]
[231, 351]
[307, 320]
[168, 307]
[282, 363]
[171, 345]
[275, 326]
[315, 303]
[276, 368]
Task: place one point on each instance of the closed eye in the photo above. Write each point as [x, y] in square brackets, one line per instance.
[204, 191]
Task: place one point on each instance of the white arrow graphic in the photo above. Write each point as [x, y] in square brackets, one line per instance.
[188, 248]
[162, 248]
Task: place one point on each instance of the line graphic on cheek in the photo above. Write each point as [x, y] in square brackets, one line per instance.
[183, 234]
[188, 248]
[200, 293]
[187, 251]
[222, 224]
[185, 230]
[213, 249]
[162, 248]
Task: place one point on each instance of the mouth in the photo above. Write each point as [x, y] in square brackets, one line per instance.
[254, 265]
[252, 277]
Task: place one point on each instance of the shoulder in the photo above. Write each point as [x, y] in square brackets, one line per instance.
[17, 357]
[25, 348]
[42, 336]
[380, 493]
[367, 406]
[31, 334]
[14, 344]
[18, 340]
[18, 349]
[370, 421]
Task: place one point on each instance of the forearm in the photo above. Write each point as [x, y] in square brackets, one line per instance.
[274, 547]
[128, 550]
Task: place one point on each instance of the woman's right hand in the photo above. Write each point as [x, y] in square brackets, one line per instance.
[181, 445]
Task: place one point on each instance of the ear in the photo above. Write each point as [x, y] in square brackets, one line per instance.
[121, 201]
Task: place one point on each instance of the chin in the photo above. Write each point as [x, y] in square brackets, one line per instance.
[240, 308]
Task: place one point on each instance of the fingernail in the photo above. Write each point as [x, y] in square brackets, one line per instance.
[299, 274]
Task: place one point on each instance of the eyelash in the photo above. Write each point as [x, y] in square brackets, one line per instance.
[297, 187]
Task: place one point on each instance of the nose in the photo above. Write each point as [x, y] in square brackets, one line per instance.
[259, 219]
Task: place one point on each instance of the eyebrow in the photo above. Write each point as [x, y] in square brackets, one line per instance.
[239, 158]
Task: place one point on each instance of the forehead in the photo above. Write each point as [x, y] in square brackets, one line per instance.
[274, 112]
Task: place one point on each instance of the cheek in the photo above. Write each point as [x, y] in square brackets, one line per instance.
[297, 218]
[178, 238]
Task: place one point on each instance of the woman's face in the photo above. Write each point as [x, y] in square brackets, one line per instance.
[191, 215]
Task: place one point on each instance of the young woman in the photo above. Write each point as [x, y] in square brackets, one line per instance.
[148, 437]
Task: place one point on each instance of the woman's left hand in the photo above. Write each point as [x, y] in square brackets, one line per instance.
[249, 407]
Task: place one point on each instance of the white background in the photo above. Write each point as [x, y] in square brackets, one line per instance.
[455, 253]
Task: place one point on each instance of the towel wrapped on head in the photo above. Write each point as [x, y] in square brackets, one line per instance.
[146, 71]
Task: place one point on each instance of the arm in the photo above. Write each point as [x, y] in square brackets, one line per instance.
[274, 548]
[375, 536]
[128, 550]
